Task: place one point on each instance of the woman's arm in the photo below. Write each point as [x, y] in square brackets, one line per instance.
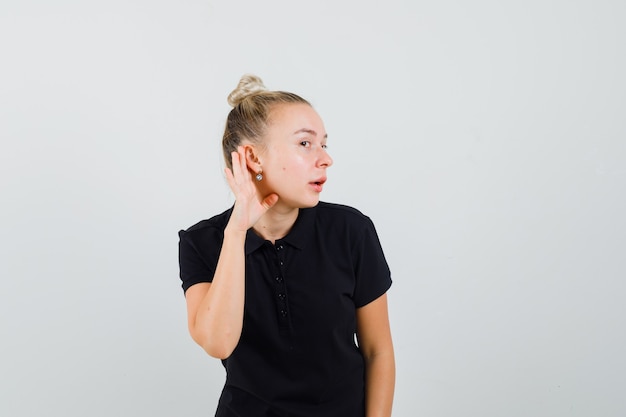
[215, 310]
[374, 336]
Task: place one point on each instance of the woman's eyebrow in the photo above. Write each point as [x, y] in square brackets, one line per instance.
[310, 131]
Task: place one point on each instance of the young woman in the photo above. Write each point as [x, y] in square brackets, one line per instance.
[278, 286]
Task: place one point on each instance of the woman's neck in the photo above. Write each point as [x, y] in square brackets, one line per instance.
[276, 223]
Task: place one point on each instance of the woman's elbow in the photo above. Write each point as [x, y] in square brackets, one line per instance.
[219, 349]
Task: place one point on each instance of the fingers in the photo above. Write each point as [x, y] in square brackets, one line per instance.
[240, 165]
[236, 164]
[269, 201]
[240, 180]
[240, 159]
[230, 178]
[238, 175]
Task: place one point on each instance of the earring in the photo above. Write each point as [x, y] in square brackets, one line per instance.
[259, 176]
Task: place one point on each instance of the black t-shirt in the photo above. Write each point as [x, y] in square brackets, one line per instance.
[297, 354]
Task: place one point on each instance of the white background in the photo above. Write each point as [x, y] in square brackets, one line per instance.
[486, 139]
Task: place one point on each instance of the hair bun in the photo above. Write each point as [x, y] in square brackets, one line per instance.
[248, 85]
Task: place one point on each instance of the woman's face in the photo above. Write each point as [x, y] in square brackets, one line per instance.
[294, 158]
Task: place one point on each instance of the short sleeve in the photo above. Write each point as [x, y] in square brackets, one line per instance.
[198, 252]
[373, 277]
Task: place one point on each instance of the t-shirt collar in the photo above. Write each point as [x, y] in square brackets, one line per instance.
[296, 237]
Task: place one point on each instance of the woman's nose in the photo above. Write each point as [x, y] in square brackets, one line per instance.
[324, 158]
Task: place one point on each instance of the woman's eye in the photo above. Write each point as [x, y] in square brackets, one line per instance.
[305, 143]
[324, 146]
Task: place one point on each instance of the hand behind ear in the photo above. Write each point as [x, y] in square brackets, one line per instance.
[249, 206]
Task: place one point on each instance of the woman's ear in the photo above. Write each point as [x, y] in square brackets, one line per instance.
[252, 158]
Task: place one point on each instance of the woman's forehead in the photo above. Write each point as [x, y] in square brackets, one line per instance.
[297, 118]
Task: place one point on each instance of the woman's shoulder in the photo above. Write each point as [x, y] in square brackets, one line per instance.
[215, 223]
[341, 212]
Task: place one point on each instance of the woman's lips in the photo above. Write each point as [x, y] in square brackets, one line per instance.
[318, 185]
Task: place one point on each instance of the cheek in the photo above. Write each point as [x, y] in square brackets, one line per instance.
[291, 166]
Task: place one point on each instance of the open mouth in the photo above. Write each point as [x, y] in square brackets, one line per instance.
[320, 181]
[317, 185]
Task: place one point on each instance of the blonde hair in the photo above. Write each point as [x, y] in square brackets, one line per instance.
[252, 103]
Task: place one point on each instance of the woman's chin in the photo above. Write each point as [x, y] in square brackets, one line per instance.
[300, 203]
